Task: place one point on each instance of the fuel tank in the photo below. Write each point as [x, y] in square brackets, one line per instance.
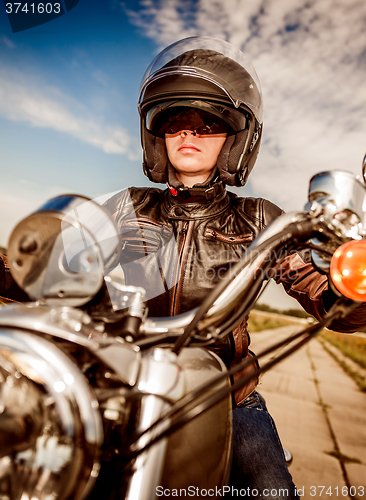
[198, 453]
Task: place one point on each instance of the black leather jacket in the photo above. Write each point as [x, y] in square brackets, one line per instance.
[210, 237]
[179, 249]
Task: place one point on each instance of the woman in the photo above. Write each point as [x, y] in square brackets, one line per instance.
[201, 123]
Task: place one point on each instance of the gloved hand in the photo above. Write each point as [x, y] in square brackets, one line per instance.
[9, 290]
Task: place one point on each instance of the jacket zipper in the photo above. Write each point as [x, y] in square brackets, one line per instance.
[180, 269]
[144, 246]
[145, 222]
[239, 238]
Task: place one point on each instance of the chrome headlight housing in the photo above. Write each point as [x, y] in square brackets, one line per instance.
[50, 426]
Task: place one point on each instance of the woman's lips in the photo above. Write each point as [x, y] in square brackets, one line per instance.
[188, 147]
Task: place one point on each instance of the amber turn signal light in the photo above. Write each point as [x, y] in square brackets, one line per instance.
[348, 270]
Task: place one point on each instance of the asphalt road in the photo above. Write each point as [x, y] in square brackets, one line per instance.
[321, 417]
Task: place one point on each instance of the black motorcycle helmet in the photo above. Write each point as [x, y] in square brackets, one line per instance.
[213, 77]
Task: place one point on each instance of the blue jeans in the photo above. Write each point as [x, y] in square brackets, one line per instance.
[259, 464]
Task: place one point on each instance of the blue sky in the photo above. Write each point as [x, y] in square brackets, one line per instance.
[68, 118]
[68, 92]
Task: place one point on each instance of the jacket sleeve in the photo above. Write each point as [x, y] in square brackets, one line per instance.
[9, 290]
[311, 289]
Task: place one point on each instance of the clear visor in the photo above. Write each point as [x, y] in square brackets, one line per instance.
[240, 90]
[204, 117]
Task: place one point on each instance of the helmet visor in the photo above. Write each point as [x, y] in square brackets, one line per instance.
[212, 60]
[202, 117]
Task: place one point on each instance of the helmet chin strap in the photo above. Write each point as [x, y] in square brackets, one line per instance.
[209, 189]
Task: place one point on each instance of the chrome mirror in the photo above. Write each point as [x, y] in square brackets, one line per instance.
[340, 198]
[343, 200]
[60, 252]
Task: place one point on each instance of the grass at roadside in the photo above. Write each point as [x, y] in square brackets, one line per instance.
[355, 374]
[257, 323]
[351, 345]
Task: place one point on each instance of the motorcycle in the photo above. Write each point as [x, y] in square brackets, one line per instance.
[99, 400]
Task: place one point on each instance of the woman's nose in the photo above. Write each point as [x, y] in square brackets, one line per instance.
[184, 133]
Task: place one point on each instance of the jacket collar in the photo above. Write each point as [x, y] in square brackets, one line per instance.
[200, 201]
[208, 189]
[195, 207]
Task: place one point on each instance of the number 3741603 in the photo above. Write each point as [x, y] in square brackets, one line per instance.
[337, 491]
[33, 8]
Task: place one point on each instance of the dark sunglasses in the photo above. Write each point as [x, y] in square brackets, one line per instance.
[198, 121]
[172, 119]
[209, 128]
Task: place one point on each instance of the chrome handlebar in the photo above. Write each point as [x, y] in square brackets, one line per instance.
[65, 436]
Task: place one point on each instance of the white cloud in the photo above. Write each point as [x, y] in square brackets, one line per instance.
[9, 43]
[165, 21]
[311, 59]
[23, 98]
[100, 77]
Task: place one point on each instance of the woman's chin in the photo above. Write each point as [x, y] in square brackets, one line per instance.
[191, 168]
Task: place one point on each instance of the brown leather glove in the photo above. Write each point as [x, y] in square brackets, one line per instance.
[9, 290]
